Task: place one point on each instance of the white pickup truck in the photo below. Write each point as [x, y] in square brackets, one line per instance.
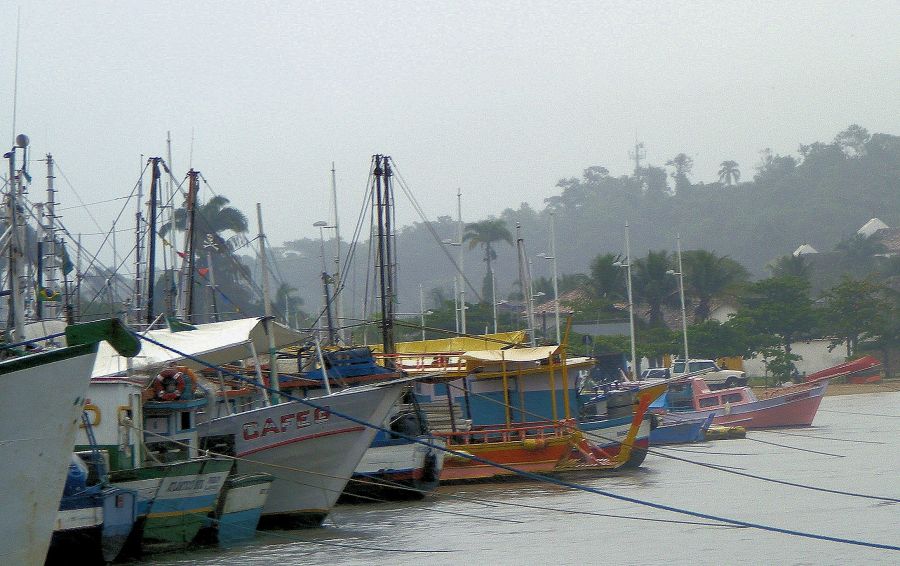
[714, 376]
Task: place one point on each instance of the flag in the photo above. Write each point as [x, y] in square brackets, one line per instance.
[176, 325]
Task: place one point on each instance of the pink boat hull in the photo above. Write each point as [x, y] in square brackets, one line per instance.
[798, 409]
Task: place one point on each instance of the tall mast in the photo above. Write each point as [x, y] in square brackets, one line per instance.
[16, 249]
[382, 199]
[138, 246]
[151, 236]
[525, 282]
[461, 274]
[190, 243]
[52, 280]
[270, 320]
[337, 258]
[171, 285]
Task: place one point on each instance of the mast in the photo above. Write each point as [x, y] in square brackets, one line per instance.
[339, 312]
[525, 282]
[382, 199]
[171, 285]
[212, 286]
[461, 274]
[270, 320]
[16, 322]
[52, 280]
[138, 246]
[151, 236]
[190, 244]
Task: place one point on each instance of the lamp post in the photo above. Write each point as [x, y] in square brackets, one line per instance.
[627, 266]
[552, 257]
[680, 274]
[459, 286]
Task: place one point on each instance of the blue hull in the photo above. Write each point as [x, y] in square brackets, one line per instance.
[681, 432]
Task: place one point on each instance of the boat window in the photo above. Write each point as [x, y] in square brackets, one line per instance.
[678, 367]
[185, 420]
[709, 401]
[732, 398]
[165, 452]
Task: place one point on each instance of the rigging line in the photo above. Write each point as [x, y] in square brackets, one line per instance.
[106, 239]
[861, 414]
[795, 448]
[59, 209]
[821, 437]
[728, 469]
[481, 337]
[433, 232]
[376, 481]
[556, 481]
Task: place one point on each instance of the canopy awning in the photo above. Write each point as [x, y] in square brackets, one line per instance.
[216, 343]
[513, 355]
[459, 343]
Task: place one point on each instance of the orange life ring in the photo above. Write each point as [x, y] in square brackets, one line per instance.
[169, 385]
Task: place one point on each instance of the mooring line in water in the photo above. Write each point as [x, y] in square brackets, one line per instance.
[795, 448]
[783, 433]
[537, 477]
[379, 482]
[711, 453]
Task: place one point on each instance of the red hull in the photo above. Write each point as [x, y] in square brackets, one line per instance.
[798, 412]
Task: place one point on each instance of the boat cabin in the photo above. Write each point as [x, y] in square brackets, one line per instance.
[694, 395]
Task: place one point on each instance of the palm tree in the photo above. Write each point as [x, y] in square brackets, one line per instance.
[485, 234]
[607, 278]
[708, 276]
[213, 221]
[729, 173]
[791, 265]
[652, 285]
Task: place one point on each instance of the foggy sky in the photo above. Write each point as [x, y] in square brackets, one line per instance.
[501, 99]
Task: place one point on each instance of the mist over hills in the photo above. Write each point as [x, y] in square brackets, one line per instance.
[754, 214]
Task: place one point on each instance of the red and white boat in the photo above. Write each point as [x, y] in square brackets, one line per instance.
[794, 405]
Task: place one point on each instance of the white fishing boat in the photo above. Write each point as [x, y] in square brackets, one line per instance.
[36, 441]
[311, 451]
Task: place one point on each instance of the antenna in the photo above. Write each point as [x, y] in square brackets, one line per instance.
[637, 154]
[16, 75]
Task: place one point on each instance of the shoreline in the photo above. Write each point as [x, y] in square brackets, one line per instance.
[834, 389]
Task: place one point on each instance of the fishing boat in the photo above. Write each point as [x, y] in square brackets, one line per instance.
[94, 519]
[866, 369]
[793, 405]
[673, 429]
[39, 436]
[159, 458]
[238, 511]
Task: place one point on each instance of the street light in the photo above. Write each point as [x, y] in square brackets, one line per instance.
[627, 265]
[459, 288]
[680, 274]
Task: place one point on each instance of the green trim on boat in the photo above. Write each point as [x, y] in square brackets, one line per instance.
[49, 357]
[111, 330]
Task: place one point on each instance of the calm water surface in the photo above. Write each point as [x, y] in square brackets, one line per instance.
[854, 445]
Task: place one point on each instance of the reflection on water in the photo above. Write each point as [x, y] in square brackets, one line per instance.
[538, 523]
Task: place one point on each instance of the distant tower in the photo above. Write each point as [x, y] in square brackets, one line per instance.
[637, 154]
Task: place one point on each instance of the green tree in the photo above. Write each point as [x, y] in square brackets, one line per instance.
[791, 266]
[486, 233]
[219, 230]
[729, 173]
[682, 165]
[853, 140]
[850, 310]
[653, 285]
[859, 253]
[708, 276]
[778, 306]
[607, 279]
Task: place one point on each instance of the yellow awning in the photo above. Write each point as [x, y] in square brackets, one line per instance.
[459, 343]
[513, 355]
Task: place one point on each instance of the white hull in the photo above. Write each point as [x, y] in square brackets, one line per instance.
[40, 409]
[399, 459]
[311, 453]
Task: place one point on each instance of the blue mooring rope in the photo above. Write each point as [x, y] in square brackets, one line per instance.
[533, 476]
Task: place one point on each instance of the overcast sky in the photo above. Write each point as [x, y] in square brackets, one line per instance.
[501, 99]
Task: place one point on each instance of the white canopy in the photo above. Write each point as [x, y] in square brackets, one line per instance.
[216, 343]
[512, 355]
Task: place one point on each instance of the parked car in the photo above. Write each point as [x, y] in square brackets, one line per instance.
[656, 373]
[714, 376]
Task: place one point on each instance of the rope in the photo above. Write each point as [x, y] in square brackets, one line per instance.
[555, 481]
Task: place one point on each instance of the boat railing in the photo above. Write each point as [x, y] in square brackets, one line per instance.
[428, 362]
[538, 432]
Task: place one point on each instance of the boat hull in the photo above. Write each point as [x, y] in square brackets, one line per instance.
[238, 512]
[529, 455]
[396, 470]
[93, 525]
[606, 436]
[37, 436]
[680, 432]
[312, 452]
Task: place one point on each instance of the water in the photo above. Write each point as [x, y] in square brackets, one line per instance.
[859, 451]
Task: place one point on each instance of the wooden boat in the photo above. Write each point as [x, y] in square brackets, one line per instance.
[794, 405]
[36, 438]
[863, 370]
[676, 430]
[238, 511]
